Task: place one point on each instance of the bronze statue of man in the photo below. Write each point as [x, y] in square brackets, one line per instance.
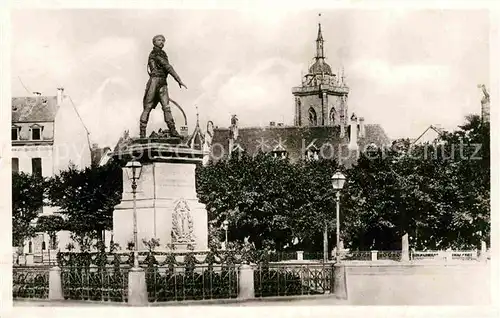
[156, 88]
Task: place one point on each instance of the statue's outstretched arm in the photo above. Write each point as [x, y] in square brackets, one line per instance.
[163, 61]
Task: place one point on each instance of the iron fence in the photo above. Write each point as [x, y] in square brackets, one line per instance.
[282, 256]
[30, 282]
[424, 255]
[313, 256]
[464, 255]
[356, 255]
[389, 255]
[198, 283]
[95, 283]
[292, 279]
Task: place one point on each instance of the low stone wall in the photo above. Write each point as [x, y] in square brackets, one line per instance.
[420, 283]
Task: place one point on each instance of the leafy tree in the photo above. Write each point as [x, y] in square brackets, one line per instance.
[86, 199]
[27, 203]
[269, 200]
[371, 203]
[469, 149]
[314, 204]
[253, 193]
[437, 193]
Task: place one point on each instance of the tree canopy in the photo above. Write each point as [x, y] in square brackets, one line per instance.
[86, 198]
[27, 202]
[438, 193]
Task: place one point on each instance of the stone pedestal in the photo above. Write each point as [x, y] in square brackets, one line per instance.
[55, 285]
[137, 290]
[339, 281]
[246, 288]
[166, 201]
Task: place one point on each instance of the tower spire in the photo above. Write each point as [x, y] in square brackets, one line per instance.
[320, 54]
[197, 116]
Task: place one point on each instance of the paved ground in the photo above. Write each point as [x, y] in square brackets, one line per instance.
[378, 285]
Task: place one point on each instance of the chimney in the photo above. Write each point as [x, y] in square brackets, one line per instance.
[184, 131]
[361, 127]
[353, 142]
[272, 123]
[60, 92]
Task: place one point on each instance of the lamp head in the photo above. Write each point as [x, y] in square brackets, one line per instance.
[134, 169]
[338, 180]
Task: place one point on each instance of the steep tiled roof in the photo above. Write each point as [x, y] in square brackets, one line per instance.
[374, 133]
[295, 140]
[34, 109]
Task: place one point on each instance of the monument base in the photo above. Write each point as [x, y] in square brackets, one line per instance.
[166, 202]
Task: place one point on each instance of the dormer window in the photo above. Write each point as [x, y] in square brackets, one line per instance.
[312, 152]
[36, 132]
[280, 151]
[15, 132]
[280, 154]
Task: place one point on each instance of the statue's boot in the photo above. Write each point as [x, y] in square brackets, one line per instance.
[171, 129]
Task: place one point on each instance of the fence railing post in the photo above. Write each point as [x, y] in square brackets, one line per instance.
[55, 284]
[339, 281]
[449, 255]
[374, 255]
[483, 257]
[137, 290]
[300, 255]
[246, 282]
[405, 248]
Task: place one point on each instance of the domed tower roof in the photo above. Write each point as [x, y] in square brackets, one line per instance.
[319, 67]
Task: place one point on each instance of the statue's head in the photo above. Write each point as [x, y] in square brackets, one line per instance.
[159, 41]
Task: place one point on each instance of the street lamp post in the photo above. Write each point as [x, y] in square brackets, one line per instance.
[134, 169]
[325, 243]
[338, 180]
[225, 226]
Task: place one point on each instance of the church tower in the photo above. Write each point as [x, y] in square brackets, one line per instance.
[322, 98]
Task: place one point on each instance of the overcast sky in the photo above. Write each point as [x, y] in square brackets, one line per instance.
[406, 69]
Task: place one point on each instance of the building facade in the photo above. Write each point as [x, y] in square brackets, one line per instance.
[322, 125]
[47, 136]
